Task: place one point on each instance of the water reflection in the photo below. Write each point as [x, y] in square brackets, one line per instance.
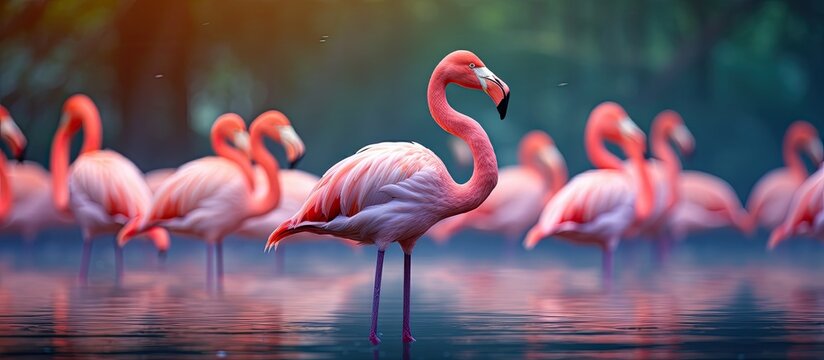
[464, 307]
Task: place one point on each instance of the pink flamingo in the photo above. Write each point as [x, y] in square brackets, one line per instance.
[522, 191]
[12, 135]
[30, 185]
[103, 189]
[664, 171]
[34, 210]
[211, 197]
[696, 200]
[770, 199]
[706, 202]
[806, 215]
[599, 206]
[394, 192]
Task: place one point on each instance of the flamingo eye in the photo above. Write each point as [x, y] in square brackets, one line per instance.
[471, 65]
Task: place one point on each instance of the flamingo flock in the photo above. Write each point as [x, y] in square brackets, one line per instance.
[398, 192]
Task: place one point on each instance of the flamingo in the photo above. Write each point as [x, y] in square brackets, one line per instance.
[102, 188]
[522, 191]
[599, 206]
[30, 186]
[395, 191]
[665, 171]
[12, 135]
[211, 197]
[770, 199]
[806, 215]
[707, 202]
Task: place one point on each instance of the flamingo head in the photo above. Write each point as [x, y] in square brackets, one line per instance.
[12, 135]
[230, 127]
[466, 69]
[612, 121]
[806, 136]
[538, 146]
[671, 124]
[276, 125]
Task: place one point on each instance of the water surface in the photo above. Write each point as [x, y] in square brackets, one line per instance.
[716, 296]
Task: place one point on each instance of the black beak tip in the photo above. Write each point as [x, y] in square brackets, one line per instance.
[503, 105]
[22, 155]
[294, 164]
[162, 255]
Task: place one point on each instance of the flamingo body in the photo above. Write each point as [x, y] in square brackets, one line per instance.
[207, 198]
[707, 202]
[32, 198]
[806, 216]
[771, 197]
[384, 193]
[596, 207]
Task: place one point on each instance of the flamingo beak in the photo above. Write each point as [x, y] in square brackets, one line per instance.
[816, 151]
[293, 145]
[632, 134]
[684, 139]
[495, 88]
[242, 142]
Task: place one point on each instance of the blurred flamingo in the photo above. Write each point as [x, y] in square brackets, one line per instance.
[707, 202]
[30, 186]
[665, 171]
[769, 201]
[806, 215]
[522, 191]
[599, 206]
[394, 192]
[103, 189]
[12, 135]
[211, 197]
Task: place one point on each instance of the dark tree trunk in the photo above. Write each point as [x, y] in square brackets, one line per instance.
[152, 59]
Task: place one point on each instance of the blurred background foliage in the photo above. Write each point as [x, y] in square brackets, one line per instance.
[350, 73]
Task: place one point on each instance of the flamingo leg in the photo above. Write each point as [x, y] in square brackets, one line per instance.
[219, 261]
[83, 276]
[373, 333]
[606, 266]
[118, 262]
[407, 272]
[210, 266]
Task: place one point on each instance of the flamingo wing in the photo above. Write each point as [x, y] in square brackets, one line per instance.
[206, 193]
[373, 176]
[770, 199]
[805, 210]
[596, 206]
[107, 188]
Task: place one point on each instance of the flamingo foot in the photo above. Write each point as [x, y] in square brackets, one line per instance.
[407, 337]
[374, 339]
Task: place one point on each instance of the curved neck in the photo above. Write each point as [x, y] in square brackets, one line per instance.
[222, 149]
[269, 199]
[644, 198]
[596, 151]
[662, 150]
[485, 166]
[61, 149]
[792, 158]
[5, 189]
